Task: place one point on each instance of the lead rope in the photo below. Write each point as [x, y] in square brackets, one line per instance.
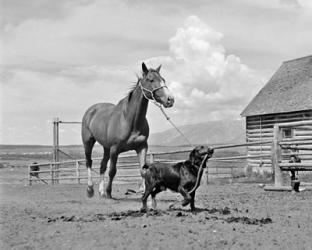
[161, 108]
[199, 174]
[168, 119]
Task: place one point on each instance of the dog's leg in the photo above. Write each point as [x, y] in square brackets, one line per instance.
[193, 202]
[153, 194]
[186, 195]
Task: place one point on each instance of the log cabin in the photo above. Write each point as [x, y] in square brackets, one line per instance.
[286, 97]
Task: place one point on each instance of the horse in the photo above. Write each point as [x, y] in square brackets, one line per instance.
[122, 127]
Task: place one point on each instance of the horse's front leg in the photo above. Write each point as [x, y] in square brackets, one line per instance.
[142, 161]
[112, 172]
[104, 161]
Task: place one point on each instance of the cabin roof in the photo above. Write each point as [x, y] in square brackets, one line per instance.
[289, 90]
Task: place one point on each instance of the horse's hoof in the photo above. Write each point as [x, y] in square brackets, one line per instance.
[143, 210]
[185, 203]
[90, 191]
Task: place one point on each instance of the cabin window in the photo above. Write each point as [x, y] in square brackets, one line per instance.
[287, 133]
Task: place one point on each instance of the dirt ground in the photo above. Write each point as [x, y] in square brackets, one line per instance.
[229, 216]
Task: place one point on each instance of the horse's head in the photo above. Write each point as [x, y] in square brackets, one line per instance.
[153, 87]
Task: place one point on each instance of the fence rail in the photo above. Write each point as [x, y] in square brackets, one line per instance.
[276, 152]
[129, 171]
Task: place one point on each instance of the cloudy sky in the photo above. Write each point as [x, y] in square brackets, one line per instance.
[59, 57]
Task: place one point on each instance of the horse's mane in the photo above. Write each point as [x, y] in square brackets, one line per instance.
[132, 88]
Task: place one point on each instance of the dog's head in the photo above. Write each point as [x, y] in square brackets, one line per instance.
[198, 154]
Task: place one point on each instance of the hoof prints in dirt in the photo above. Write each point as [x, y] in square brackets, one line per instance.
[135, 214]
[223, 211]
[130, 213]
[243, 220]
[102, 217]
[73, 218]
[250, 221]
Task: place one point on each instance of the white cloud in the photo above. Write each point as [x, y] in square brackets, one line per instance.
[57, 65]
[207, 83]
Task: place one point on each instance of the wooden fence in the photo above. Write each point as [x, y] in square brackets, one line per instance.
[282, 149]
[128, 168]
[299, 144]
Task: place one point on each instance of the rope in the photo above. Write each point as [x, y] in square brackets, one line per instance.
[152, 99]
[199, 175]
[168, 119]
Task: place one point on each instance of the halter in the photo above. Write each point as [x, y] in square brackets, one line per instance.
[160, 106]
[152, 91]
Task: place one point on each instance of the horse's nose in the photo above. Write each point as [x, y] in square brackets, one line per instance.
[170, 101]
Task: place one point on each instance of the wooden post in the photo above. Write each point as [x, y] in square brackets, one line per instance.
[276, 154]
[52, 174]
[56, 156]
[77, 172]
[151, 158]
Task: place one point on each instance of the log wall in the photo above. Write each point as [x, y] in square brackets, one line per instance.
[260, 127]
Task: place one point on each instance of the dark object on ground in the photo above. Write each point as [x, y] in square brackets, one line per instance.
[34, 168]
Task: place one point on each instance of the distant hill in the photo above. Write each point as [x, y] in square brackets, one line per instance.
[214, 132]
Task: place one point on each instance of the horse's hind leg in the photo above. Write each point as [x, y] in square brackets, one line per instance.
[148, 190]
[104, 161]
[112, 172]
[88, 146]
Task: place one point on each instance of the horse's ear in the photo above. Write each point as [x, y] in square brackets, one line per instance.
[144, 69]
[158, 69]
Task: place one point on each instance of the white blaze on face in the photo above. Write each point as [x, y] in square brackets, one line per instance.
[167, 98]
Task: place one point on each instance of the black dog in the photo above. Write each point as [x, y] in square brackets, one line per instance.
[180, 177]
